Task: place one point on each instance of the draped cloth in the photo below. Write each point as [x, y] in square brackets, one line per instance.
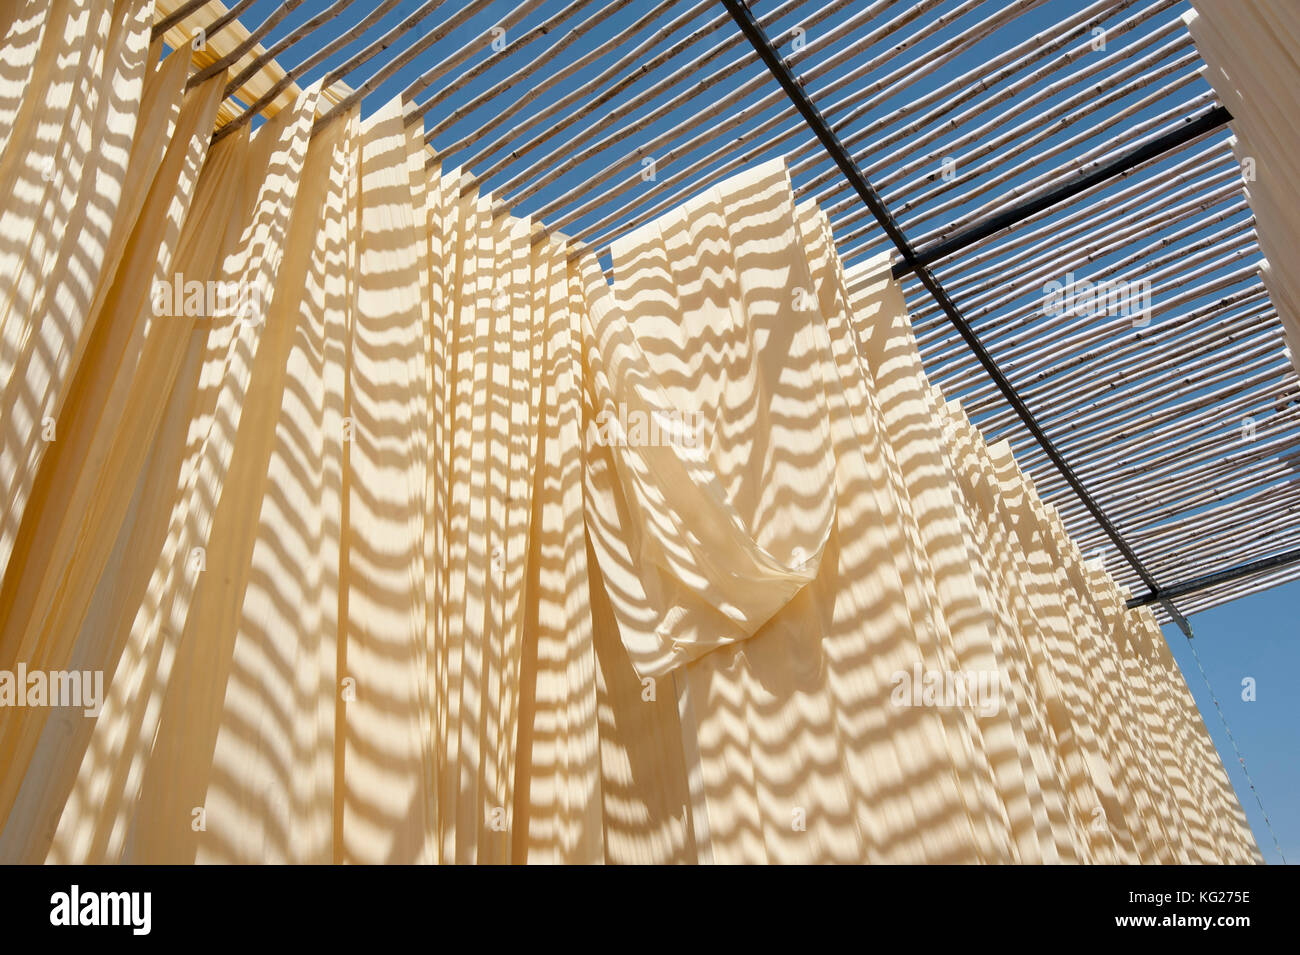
[1251, 61]
[433, 545]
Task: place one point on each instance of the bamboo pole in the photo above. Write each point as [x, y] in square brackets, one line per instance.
[1237, 237]
[284, 43]
[254, 37]
[312, 61]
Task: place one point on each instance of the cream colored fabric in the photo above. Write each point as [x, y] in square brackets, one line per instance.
[802, 753]
[72, 193]
[1252, 55]
[438, 547]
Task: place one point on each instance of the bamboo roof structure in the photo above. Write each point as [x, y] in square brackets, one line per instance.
[1015, 144]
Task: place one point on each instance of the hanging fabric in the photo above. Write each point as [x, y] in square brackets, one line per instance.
[391, 531]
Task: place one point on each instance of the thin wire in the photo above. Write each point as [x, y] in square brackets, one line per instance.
[1233, 740]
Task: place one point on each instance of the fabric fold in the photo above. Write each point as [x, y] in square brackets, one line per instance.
[725, 494]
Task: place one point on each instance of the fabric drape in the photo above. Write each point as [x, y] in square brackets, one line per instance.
[398, 533]
[1250, 54]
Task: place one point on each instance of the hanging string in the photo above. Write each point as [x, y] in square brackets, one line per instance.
[1240, 759]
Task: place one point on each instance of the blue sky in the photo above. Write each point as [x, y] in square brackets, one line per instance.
[1252, 637]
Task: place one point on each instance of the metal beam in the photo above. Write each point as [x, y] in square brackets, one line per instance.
[848, 166]
[1284, 559]
[1192, 128]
